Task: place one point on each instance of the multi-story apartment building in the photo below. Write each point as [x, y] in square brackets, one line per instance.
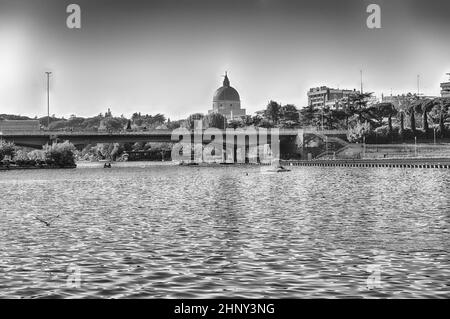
[325, 96]
[445, 88]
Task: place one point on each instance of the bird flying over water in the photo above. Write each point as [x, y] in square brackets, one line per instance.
[47, 223]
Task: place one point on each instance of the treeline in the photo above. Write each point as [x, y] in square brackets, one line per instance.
[57, 155]
[120, 152]
[102, 122]
[414, 116]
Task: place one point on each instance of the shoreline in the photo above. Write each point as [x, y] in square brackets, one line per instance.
[442, 163]
[424, 162]
[17, 168]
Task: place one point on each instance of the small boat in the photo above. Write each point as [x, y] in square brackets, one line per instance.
[107, 165]
[182, 163]
[277, 168]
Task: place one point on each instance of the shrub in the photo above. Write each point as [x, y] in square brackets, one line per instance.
[7, 149]
[36, 155]
[357, 133]
[60, 154]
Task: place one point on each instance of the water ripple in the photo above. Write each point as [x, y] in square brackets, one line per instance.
[188, 232]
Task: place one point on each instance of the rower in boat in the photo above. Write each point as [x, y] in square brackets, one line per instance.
[277, 167]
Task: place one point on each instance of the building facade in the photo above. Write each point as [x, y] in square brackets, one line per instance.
[320, 97]
[445, 88]
[226, 101]
[12, 126]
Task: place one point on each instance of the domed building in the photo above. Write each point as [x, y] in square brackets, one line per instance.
[226, 101]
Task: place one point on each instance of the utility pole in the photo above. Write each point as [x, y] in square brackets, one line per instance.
[361, 81]
[418, 84]
[48, 99]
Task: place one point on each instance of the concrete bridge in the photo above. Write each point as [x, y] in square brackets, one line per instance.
[40, 138]
[36, 139]
[290, 140]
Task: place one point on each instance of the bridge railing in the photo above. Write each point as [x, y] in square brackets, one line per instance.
[281, 132]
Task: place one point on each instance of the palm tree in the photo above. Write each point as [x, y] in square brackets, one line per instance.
[412, 119]
[425, 107]
[386, 110]
[402, 123]
[444, 107]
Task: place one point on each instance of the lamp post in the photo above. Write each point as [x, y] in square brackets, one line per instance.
[48, 99]
[415, 145]
[364, 146]
[418, 84]
[434, 131]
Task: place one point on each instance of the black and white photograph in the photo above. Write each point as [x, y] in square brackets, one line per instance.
[253, 151]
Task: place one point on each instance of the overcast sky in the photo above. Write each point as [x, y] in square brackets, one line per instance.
[168, 56]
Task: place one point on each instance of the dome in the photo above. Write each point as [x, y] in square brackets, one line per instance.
[226, 92]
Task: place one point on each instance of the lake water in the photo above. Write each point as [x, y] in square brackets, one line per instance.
[154, 230]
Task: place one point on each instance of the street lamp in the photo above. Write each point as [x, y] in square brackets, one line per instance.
[415, 145]
[48, 99]
[364, 146]
[434, 131]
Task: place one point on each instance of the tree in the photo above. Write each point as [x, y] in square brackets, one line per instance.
[425, 107]
[113, 124]
[357, 103]
[408, 106]
[256, 120]
[7, 149]
[290, 116]
[128, 125]
[412, 120]
[309, 116]
[91, 124]
[58, 125]
[356, 134]
[216, 120]
[191, 120]
[138, 146]
[401, 131]
[273, 112]
[106, 150]
[328, 116]
[338, 116]
[248, 120]
[441, 112]
[236, 124]
[382, 110]
[158, 119]
[36, 155]
[60, 154]
[413, 107]
[21, 156]
[172, 125]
